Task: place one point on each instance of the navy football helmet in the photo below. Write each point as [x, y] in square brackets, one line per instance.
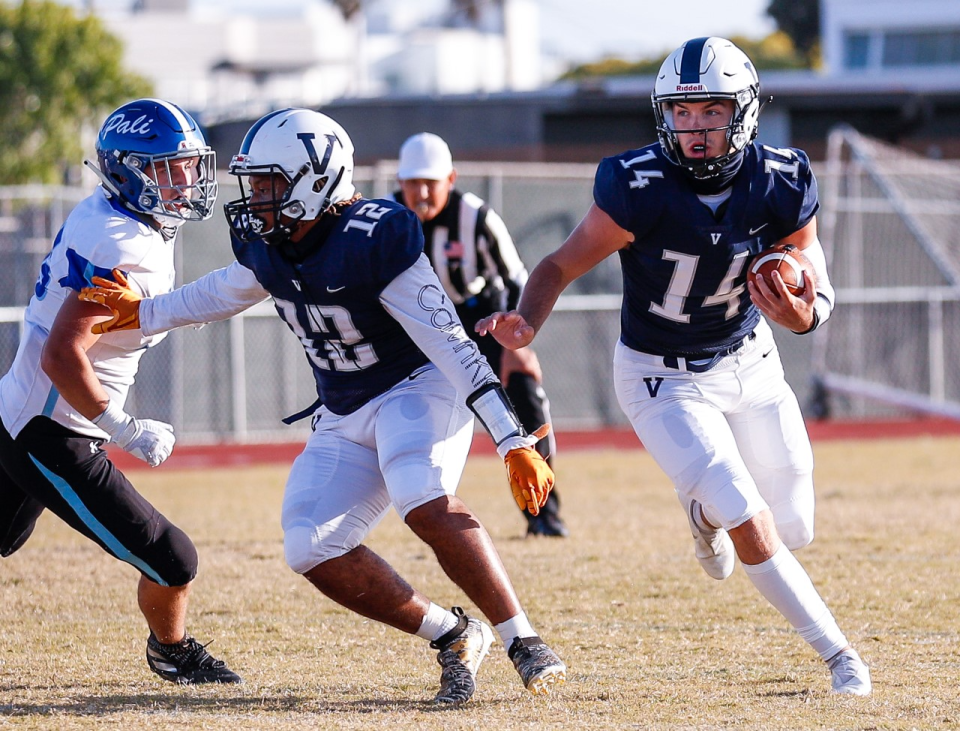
[309, 154]
[706, 69]
[135, 148]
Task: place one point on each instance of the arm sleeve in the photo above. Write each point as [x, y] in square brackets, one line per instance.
[416, 300]
[219, 295]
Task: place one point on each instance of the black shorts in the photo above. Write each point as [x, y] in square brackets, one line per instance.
[51, 467]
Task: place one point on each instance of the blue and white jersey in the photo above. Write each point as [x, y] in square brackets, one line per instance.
[364, 302]
[97, 237]
[684, 275]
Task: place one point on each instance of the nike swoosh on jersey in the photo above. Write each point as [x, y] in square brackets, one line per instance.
[757, 229]
[335, 289]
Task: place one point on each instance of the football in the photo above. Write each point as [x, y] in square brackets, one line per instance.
[786, 259]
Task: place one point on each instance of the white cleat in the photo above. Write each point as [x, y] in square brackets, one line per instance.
[849, 674]
[714, 549]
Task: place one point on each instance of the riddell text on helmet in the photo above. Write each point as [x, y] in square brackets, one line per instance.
[690, 87]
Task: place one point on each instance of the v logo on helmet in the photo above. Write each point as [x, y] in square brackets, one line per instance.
[307, 139]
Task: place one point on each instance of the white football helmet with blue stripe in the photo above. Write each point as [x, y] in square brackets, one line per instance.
[705, 69]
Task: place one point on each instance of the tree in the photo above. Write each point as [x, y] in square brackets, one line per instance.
[776, 51]
[59, 75]
[799, 19]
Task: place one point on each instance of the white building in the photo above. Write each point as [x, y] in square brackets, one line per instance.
[906, 40]
[223, 62]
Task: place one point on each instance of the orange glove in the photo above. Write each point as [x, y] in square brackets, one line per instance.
[119, 297]
[531, 478]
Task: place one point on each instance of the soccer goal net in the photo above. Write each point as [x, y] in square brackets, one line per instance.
[890, 224]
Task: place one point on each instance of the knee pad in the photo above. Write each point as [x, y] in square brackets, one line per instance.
[795, 534]
[172, 555]
[794, 520]
[728, 498]
[306, 545]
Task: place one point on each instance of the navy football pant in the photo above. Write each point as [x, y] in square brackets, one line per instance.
[51, 467]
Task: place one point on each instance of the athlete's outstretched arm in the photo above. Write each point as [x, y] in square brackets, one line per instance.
[594, 239]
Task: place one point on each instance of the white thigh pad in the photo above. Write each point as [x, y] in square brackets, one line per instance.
[334, 497]
[423, 434]
[685, 430]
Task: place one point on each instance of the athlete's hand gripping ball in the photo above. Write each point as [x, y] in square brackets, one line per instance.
[119, 297]
[531, 478]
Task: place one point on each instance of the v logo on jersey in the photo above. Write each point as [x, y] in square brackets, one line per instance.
[653, 385]
[715, 238]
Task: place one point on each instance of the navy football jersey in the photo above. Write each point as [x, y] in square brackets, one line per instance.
[684, 275]
[329, 299]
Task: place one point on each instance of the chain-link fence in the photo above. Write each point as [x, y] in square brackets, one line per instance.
[235, 380]
[891, 228]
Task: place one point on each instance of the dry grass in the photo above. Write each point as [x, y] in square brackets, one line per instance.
[651, 642]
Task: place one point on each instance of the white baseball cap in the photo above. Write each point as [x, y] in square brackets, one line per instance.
[424, 156]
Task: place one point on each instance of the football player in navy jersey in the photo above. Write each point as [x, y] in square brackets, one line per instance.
[64, 395]
[696, 367]
[399, 383]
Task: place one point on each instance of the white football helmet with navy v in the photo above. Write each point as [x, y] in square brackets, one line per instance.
[705, 69]
[311, 152]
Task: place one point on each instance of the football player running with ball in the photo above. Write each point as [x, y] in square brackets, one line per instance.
[64, 395]
[399, 385]
[696, 368]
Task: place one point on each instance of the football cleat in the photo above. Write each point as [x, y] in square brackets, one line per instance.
[849, 674]
[714, 549]
[187, 663]
[548, 522]
[461, 650]
[538, 665]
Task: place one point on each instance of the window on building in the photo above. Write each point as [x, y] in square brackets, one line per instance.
[856, 50]
[921, 48]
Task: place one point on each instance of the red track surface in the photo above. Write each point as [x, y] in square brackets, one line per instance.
[241, 455]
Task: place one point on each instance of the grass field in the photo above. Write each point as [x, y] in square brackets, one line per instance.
[650, 641]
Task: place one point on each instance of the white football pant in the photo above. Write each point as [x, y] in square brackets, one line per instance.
[404, 448]
[732, 438]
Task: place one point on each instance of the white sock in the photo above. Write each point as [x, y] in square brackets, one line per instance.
[783, 582]
[518, 626]
[437, 622]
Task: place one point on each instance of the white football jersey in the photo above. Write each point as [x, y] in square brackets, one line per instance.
[98, 236]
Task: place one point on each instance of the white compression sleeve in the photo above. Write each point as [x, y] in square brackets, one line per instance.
[416, 300]
[219, 295]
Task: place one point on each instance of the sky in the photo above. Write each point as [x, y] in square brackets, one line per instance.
[590, 29]
[585, 30]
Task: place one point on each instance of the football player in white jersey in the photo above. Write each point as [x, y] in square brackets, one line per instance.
[399, 383]
[63, 397]
[696, 369]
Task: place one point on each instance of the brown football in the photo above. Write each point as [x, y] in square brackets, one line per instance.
[786, 259]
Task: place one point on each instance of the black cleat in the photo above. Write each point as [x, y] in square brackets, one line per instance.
[187, 663]
[548, 522]
[538, 665]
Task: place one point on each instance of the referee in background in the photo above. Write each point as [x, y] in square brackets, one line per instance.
[478, 265]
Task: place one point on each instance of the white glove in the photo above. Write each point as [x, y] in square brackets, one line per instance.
[517, 442]
[146, 439]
